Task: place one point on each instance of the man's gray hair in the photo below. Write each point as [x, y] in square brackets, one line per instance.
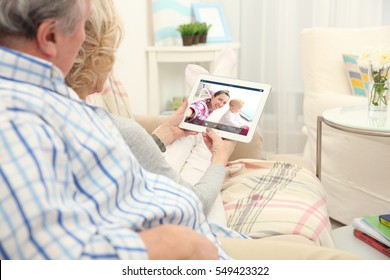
[23, 17]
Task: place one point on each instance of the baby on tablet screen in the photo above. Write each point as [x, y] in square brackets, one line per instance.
[232, 116]
[231, 120]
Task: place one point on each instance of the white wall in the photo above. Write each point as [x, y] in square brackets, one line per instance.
[386, 9]
[131, 66]
[131, 59]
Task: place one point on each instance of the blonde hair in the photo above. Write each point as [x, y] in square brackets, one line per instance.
[103, 34]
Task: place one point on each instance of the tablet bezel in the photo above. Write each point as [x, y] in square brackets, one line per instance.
[229, 82]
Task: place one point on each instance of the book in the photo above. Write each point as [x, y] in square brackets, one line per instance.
[372, 242]
[385, 219]
[380, 228]
[362, 225]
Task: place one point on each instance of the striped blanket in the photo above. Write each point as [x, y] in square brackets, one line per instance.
[266, 198]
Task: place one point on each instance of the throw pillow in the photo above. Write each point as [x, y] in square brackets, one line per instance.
[224, 65]
[358, 77]
[113, 98]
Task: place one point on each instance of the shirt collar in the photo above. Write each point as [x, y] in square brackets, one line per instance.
[29, 69]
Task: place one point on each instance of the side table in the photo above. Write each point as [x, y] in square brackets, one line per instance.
[345, 240]
[353, 119]
[177, 54]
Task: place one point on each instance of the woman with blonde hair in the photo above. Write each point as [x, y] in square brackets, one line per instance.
[93, 69]
[96, 58]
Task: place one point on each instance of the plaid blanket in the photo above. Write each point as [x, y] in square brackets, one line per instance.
[113, 98]
[266, 198]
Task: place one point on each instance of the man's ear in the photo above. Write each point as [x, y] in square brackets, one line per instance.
[47, 38]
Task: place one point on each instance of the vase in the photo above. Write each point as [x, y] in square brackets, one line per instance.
[377, 119]
[377, 96]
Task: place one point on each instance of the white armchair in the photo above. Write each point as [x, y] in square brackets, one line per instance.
[355, 168]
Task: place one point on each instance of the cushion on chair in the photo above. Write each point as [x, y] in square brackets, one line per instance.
[357, 76]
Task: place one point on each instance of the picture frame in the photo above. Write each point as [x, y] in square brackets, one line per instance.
[212, 13]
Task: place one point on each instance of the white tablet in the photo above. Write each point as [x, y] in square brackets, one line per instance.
[231, 107]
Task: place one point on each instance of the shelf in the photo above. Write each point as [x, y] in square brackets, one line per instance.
[177, 54]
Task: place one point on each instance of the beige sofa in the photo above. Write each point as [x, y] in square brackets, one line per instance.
[355, 171]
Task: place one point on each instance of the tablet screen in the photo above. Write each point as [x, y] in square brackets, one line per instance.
[232, 107]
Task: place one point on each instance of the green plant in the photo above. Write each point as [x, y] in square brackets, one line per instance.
[203, 27]
[196, 27]
[186, 29]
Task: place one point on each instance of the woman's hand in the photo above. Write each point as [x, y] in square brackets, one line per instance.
[169, 131]
[221, 149]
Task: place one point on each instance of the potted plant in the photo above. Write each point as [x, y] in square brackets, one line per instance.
[187, 33]
[203, 30]
[197, 31]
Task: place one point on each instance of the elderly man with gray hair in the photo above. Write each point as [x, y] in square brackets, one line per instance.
[70, 186]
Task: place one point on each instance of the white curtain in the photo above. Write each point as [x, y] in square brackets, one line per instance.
[269, 32]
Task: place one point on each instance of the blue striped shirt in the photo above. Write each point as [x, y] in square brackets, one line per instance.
[70, 186]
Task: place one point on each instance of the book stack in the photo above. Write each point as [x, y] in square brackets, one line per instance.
[375, 231]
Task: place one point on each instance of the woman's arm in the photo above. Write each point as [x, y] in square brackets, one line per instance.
[149, 156]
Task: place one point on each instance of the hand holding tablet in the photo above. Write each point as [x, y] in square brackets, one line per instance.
[231, 107]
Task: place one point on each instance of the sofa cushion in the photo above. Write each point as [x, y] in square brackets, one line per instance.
[357, 76]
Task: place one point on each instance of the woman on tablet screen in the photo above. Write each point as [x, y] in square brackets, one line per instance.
[200, 110]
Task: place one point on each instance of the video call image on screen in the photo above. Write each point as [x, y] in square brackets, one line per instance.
[224, 106]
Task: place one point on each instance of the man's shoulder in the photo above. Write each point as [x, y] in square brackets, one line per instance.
[26, 101]
[23, 94]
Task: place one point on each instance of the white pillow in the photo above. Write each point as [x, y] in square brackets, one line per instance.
[190, 157]
[178, 152]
